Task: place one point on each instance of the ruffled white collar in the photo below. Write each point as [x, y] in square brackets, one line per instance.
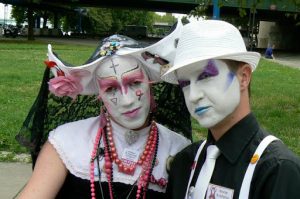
[74, 143]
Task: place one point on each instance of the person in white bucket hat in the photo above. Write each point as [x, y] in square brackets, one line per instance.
[238, 159]
[123, 153]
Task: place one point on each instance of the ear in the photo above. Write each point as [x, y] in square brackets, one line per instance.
[244, 74]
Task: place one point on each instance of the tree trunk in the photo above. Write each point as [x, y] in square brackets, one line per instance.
[55, 25]
[30, 35]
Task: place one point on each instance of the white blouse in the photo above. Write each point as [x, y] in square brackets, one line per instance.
[74, 143]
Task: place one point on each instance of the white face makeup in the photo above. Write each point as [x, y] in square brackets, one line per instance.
[124, 89]
[210, 89]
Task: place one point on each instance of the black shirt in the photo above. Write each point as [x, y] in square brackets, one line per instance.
[77, 188]
[277, 174]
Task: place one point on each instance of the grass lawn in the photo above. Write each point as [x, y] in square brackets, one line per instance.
[275, 91]
[22, 67]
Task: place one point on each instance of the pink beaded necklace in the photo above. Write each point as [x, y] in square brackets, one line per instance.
[146, 160]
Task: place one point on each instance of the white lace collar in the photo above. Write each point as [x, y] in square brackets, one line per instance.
[74, 143]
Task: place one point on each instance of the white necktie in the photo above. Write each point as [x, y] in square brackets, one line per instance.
[206, 172]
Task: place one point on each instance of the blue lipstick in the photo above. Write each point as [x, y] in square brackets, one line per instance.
[200, 110]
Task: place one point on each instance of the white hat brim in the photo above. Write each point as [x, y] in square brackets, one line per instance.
[165, 48]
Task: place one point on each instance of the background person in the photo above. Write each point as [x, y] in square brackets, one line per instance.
[214, 70]
[269, 52]
[123, 147]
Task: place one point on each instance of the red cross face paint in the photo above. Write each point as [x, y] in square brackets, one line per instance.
[211, 91]
[125, 91]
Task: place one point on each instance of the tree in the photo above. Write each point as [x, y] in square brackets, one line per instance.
[122, 17]
[167, 18]
[19, 14]
[100, 20]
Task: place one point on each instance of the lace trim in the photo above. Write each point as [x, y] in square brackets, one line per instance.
[67, 162]
[166, 148]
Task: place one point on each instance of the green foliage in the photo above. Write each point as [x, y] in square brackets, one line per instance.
[121, 17]
[185, 20]
[167, 18]
[95, 20]
[108, 21]
[19, 14]
[200, 10]
[101, 19]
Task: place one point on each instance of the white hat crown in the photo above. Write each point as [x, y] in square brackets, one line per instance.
[209, 39]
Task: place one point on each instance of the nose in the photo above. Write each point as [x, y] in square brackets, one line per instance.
[127, 98]
[195, 93]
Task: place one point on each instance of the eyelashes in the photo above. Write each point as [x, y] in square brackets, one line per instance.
[204, 75]
[209, 71]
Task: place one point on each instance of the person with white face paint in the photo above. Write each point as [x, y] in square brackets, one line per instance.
[123, 153]
[238, 159]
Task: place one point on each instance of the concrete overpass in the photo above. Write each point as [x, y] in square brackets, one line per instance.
[174, 6]
[266, 10]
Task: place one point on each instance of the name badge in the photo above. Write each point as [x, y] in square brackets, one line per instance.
[218, 192]
[130, 155]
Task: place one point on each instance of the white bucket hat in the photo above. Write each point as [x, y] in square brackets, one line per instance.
[81, 79]
[209, 39]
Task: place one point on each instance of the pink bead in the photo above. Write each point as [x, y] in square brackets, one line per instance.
[147, 173]
[108, 165]
[145, 178]
[108, 178]
[125, 169]
[98, 136]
